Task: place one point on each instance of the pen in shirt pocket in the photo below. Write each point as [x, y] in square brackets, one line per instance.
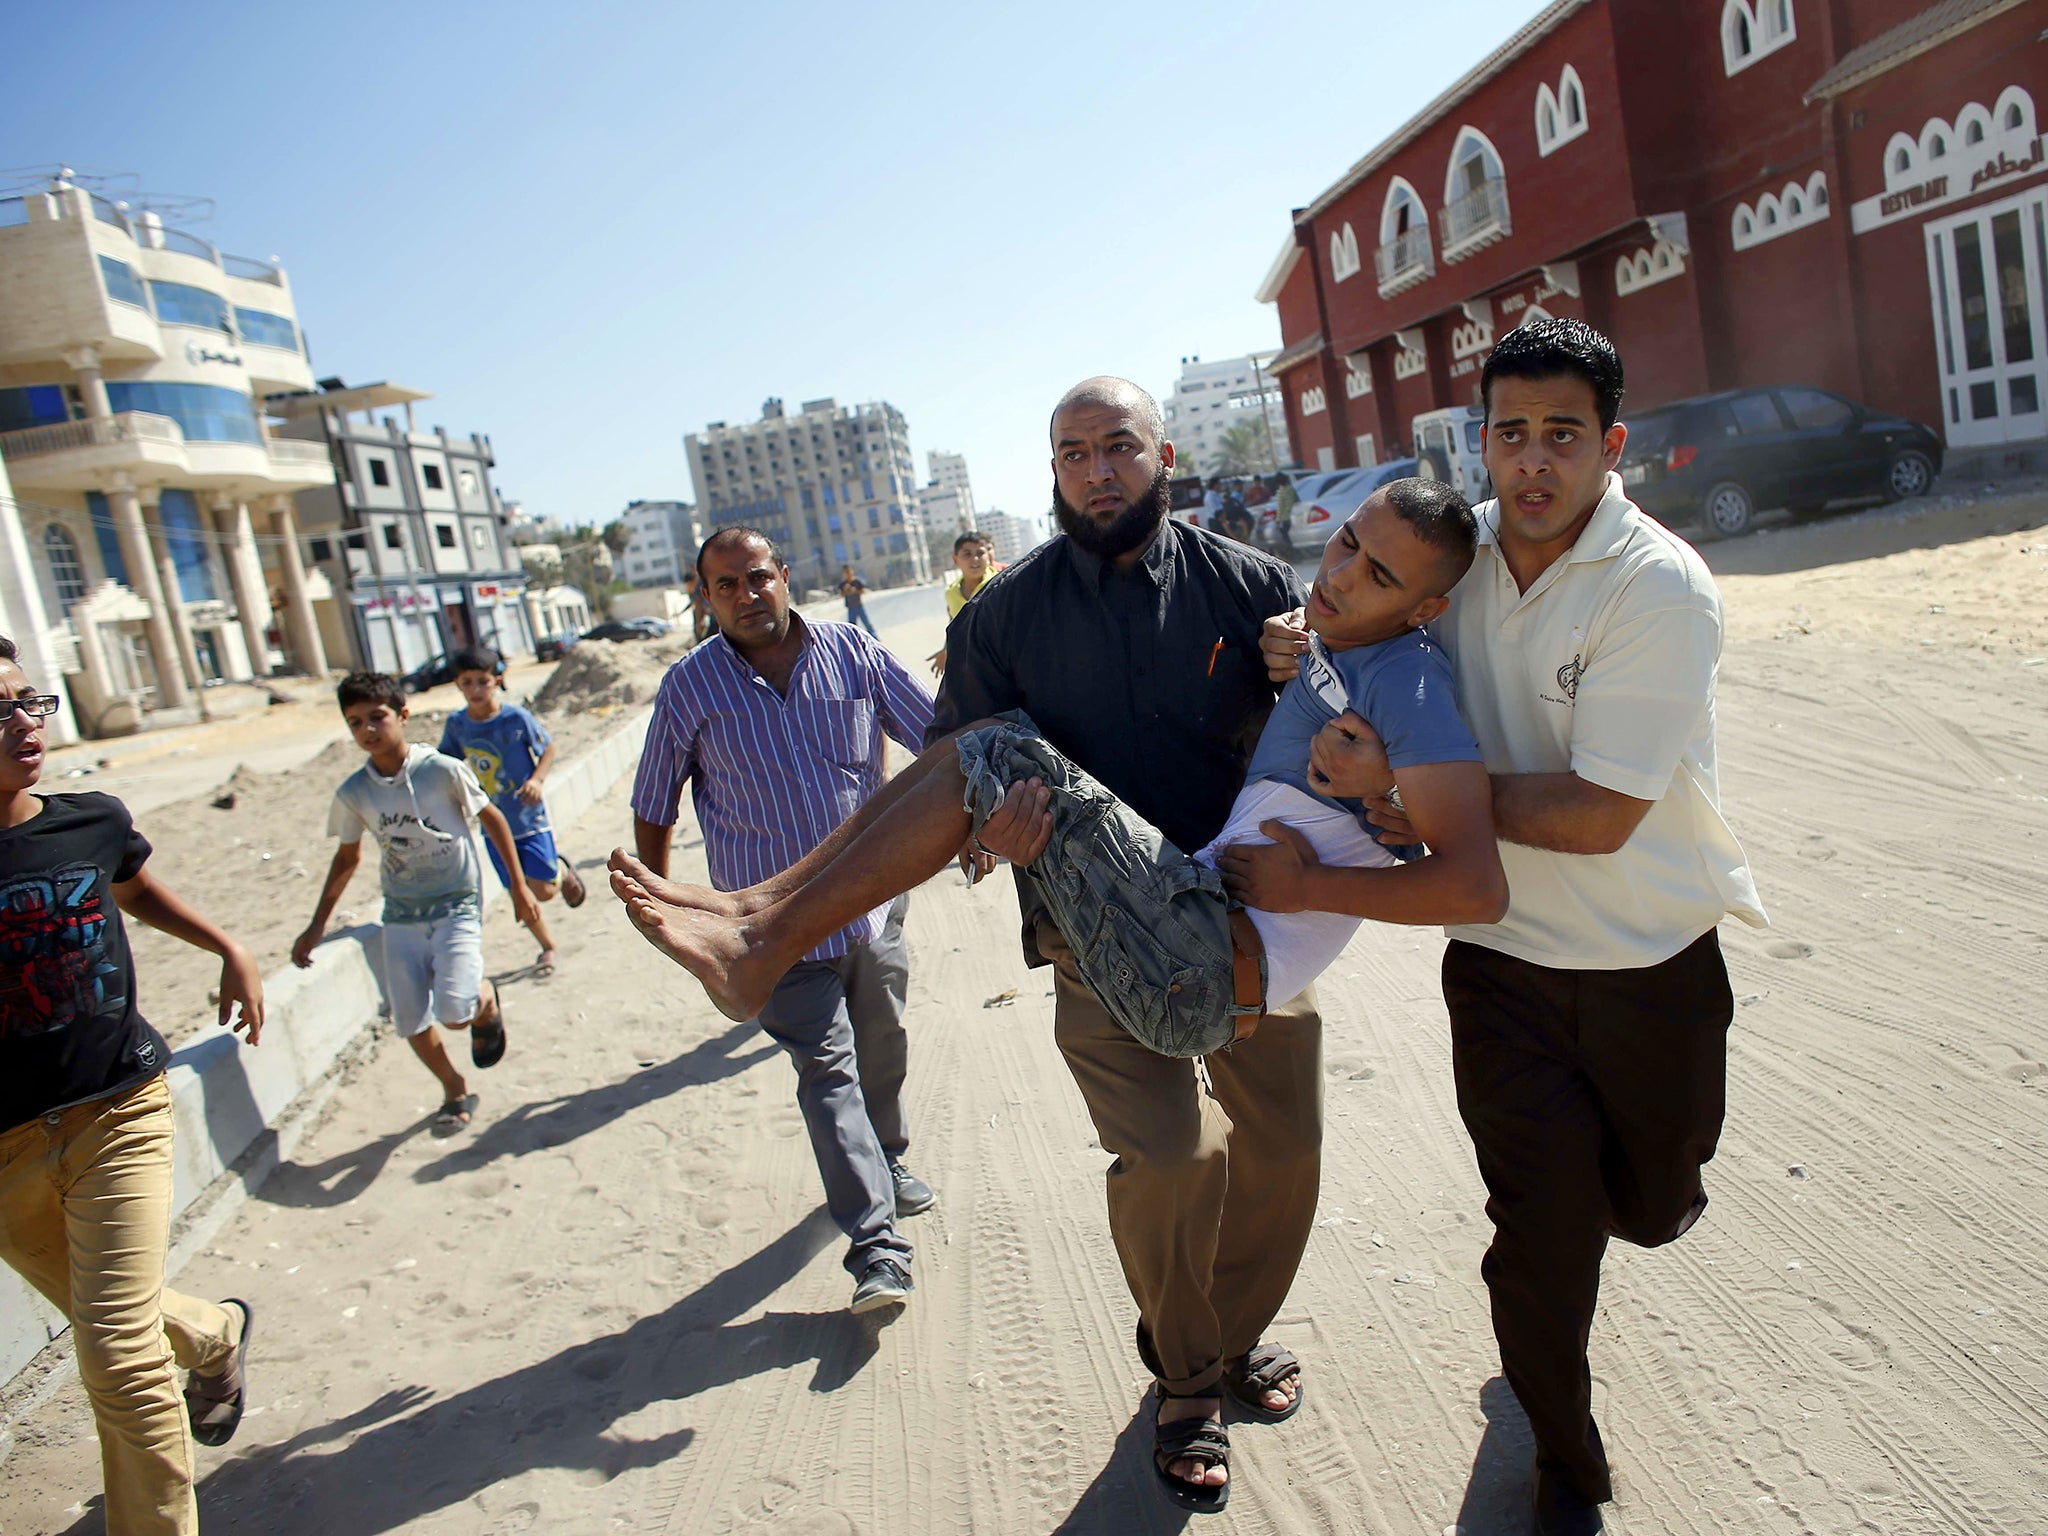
[1214, 651]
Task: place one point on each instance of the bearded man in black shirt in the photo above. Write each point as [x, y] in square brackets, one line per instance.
[1132, 641]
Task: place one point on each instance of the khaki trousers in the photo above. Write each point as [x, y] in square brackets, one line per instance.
[1211, 1194]
[85, 1217]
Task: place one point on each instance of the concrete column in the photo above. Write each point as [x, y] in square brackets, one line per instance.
[300, 630]
[143, 579]
[22, 614]
[174, 605]
[85, 362]
[245, 575]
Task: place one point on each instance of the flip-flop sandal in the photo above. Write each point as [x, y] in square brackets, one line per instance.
[1191, 1439]
[454, 1114]
[572, 883]
[487, 1041]
[215, 1414]
[1266, 1368]
[544, 963]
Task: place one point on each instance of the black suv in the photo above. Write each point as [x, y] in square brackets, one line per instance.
[1719, 458]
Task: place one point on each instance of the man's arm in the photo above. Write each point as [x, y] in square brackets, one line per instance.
[1459, 881]
[650, 842]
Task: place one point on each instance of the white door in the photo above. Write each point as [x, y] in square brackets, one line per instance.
[1368, 453]
[1986, 270]
[1326, 458]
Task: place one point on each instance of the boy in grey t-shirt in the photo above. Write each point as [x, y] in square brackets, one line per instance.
[419, 806]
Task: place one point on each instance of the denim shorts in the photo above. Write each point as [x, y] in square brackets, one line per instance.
[433, 971]
[1149, 927]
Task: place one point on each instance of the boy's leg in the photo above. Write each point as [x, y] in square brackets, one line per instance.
[916, 834]
[428, 1046]
[539, 926]
[115, 1176]
[409, 980]
[807, 1016]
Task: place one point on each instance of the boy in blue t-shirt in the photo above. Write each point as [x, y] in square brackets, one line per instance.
[511, 752]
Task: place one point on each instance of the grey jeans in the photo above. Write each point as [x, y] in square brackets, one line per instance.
[1148, 926]
[841, 1021]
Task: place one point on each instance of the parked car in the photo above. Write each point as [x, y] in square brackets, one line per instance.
[555, 647]
[431, 674]
[1184, 496]
[1449, 445]
[1316, 517]
[1721, 458]
[626, 629]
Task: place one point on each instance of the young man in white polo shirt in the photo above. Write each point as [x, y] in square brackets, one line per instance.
[1589, 1026]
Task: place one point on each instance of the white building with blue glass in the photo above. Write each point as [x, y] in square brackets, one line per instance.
[153, 502]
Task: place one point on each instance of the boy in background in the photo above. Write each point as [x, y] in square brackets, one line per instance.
[419, 805]
[974, 563]
[510, 752]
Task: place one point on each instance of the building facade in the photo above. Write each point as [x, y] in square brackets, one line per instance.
[150, 496]
[666, 535]
[1009, 536]
[1851, 194]
[833, 485]
[409, 535]
[1209, 399]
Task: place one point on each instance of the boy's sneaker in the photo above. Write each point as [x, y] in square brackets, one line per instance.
[884, 1283]
[913, 1195]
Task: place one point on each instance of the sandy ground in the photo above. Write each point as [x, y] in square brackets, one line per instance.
[614, 1306]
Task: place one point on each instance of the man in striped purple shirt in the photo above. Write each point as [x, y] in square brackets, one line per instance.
[776, 723]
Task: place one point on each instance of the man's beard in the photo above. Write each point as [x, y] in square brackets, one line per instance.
[1125, 532]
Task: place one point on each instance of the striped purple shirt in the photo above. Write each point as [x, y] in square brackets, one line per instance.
[770, 776]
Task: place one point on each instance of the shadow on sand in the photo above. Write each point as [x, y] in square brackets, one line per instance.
[1497, 1493]
[415, 1455]
[1124, 1497]
[551, 1122]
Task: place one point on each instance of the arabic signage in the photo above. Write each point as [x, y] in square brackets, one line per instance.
[401, 603]
[1937, 191]
[198, 356]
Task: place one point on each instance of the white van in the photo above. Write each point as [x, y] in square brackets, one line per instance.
[1448, 446]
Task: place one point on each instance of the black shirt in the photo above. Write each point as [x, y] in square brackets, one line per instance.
[69, 1029]
[1124, 673]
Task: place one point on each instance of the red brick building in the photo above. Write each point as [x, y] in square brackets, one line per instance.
[1848, 193]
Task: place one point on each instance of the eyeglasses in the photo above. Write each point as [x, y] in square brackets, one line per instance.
[41, 705]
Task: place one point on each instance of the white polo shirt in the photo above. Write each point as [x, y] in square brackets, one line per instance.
[1604, 668]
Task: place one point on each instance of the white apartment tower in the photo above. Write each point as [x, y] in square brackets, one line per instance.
[1211, 398]
[833, 485]
[149, 494]
[665, 539]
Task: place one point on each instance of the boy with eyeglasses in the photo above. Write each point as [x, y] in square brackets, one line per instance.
[86, 1126]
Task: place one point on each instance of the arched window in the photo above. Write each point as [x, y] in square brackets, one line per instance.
[1344, 261]
[1937, 147]
[67, 576]
[1777, 17]
[1402, 213]
[1735, 34]
[1749, 32]
[2015, 119]
[1546, 121]
[1973, 132]
[1768, 212]
[1902, 162]
[1795, 203]
[1560, 114]
[1574, 99]
[1473, 165]
[1745, 225]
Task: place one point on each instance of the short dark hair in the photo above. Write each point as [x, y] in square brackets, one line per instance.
[477, 658]
[1544, 349]
[370, 688]
[1440, 518]
[738, 533]
[966, 539]
[8, 652]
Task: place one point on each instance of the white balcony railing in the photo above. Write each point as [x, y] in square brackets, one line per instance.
[1404, 260]
[93, 432]
[293, 452]
[1476, 219]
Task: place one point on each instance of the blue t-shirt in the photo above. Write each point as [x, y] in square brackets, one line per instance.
[1403, 688]
[502, 751]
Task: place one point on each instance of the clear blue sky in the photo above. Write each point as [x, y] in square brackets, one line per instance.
[588, 231]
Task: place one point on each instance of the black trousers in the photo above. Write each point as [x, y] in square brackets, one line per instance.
[1593, 1098]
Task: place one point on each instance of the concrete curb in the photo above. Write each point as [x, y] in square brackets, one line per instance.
[240, 1112]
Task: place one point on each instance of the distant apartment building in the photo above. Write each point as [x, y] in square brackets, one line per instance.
[147, 512]
[833, 485]
[1210, 398]
[410, 536]
[1009, 536]
[947, 499]
[665, 539]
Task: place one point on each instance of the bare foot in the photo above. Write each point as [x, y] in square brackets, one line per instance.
[712, 948]
[698, 898]
[544, 964]
[1190, 1471]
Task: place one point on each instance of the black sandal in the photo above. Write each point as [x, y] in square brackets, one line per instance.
[487, 1041]
[1266, 1368]
[455, 1115]
[1191, 1439]
[214, 1404]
